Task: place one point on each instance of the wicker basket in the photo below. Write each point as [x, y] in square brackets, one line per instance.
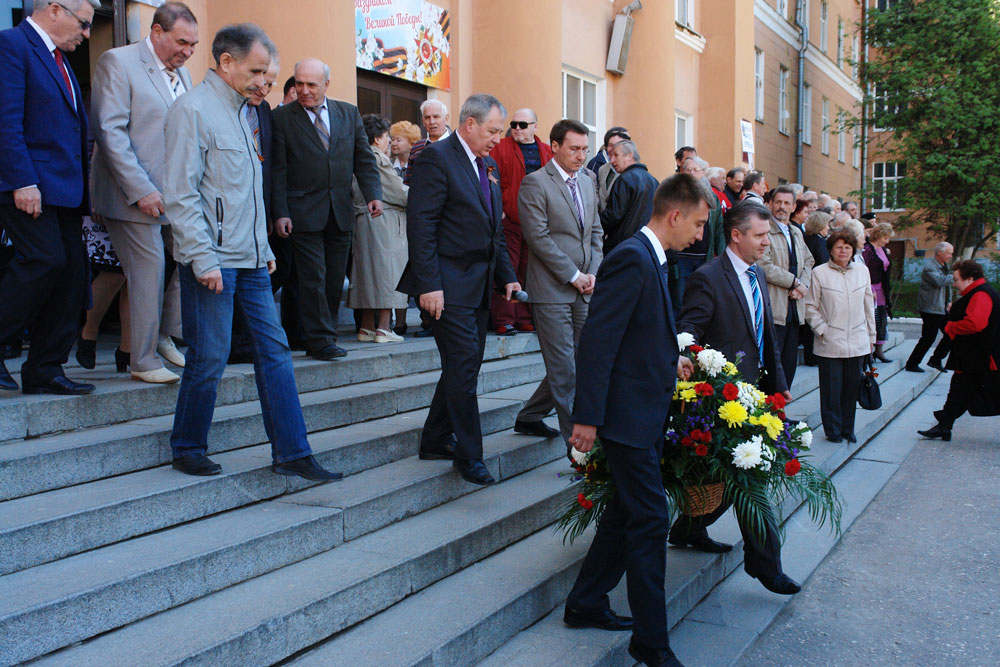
[703, 499]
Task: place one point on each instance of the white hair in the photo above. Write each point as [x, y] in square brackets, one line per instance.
[427, 103]
[40, 5]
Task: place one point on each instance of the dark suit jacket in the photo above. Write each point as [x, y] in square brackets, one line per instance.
[716, 313]
[455, 244]
[308, 182]
[266, 118]
[625, 382]
[43, 140]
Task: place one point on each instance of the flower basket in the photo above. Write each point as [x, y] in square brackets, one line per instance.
[704, 499]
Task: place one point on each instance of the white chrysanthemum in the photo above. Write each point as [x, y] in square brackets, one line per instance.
[578, 456]
[766, 458]
[748, 454]
[750, 397]
[805, 435]
[711, 361]
[684, 340]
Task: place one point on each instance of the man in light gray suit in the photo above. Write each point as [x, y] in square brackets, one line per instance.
[133, 87]
[560, 222]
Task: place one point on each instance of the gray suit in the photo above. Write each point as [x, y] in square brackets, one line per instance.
[559, 247]
[128, 109]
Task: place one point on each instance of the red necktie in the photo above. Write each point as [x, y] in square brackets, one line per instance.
[59, 64]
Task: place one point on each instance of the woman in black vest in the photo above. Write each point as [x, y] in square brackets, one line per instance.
[974, 327]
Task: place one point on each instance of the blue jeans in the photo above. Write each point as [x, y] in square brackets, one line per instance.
[208, 322]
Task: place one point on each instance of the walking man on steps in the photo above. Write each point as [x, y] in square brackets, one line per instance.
[213, 189]
[932, 303]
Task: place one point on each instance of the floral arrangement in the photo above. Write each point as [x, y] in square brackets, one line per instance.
[721, 430]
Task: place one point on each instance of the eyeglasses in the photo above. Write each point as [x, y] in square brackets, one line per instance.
[84, 25]
[521, 124]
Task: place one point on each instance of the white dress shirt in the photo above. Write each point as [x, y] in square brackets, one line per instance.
[51, 46]
[324, 115]
[163, 70]
[661, 255]
[566, 176]
[468, 153]
[741, 272]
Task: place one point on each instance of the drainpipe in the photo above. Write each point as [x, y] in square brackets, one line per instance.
[864, 107]
[803, 22]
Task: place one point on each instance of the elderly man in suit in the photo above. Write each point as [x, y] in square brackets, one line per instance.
[560, 223]
[457, 255]
[727, 308]
[133, 87]
[319, 145]
[787, 264]
[624, 387]
[43, 140]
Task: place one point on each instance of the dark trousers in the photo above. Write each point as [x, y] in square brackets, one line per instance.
[513, 312]
[838, 393]
[460, 335]
[630, 539]
[806, 338]
[932, 323]
[787, 343]
[320, 260]
[760, 558]
[45, 287]
[977, 393]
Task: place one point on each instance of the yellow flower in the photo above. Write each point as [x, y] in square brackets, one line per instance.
[730, 368]
[689, 395]
[732, 413]
[680, 387]
[771, 424]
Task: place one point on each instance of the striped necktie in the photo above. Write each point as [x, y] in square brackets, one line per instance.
[571, 182]
[324, 134]
[758, 314]
[254, 122]
[176, 87]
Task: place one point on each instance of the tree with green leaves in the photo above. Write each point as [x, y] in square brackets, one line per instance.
[932, 81]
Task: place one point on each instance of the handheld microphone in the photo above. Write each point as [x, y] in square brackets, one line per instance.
[520, 295]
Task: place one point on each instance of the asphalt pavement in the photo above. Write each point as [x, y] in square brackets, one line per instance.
[916, 579]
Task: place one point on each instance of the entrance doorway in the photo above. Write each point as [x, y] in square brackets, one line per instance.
[391, 97]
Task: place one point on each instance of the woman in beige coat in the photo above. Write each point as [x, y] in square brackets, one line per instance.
[840, 309]
[379, 249]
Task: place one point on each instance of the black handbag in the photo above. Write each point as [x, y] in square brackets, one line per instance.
[869, 394]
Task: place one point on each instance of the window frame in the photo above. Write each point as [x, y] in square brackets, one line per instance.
[807, 114]
[684, 13]
[825, 130]
[758, 82]
[596, 129]
[688, 138]
[824, 38]
[841, 137]
[899, 173]
[784, 81]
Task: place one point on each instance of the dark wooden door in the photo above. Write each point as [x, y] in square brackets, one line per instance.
[393, 98]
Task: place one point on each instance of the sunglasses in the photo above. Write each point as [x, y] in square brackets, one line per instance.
[520, 124]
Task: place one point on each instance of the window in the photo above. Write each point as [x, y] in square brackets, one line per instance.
[885, 185]
[684, 135]
[882, 111]
[783, 77]
[884, 4]
[758, 84]
[823, 40]
[580, 103]
[841, 136]
[685, 13]
[840, 42]
[825, 129]
[856, 158]
[855, 57]
[807, 126]
[782, 7]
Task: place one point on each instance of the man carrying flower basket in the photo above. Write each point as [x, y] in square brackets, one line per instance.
[626, 366]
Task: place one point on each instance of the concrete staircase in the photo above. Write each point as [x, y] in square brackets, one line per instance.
[108, 556]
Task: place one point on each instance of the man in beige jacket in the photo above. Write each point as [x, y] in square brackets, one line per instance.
[787, 265]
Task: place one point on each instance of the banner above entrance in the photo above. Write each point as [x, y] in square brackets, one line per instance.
[409, 39]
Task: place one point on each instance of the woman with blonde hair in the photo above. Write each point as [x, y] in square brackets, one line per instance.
[402, 135]
[876, 257]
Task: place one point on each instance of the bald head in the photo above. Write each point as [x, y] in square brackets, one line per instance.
[523, 126]
[312, 78]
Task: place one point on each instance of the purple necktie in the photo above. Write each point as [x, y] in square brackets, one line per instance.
[484, 184]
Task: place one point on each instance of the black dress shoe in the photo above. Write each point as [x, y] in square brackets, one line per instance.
[701, 543]
[652, 657]
[197, 464]
[913, 368]
[424, 333]
[937, 431]
[936, 365]
[850, 437]
[60, 384]
[306, 468]
[781, 584]
[474, 471]
[328, 353]
[86, 352]
[11, 351]
[6, 381]
[442, 451]
[834, 438]
[535, 428]
[604, 620]
[506, 330]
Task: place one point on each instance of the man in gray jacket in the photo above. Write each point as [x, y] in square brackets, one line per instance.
[932, 302]
[213, 190]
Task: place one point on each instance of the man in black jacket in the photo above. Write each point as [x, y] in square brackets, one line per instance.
[630, 204]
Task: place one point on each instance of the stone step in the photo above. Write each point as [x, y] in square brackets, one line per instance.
[269, 618]
[692, 575]
[47, 526]
[120, 399]
[56, 461]
[50, 606]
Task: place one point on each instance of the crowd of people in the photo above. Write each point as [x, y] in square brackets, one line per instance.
[204, 202]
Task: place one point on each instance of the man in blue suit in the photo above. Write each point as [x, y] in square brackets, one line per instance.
[627, 362]
[43, 157]
[457, 255]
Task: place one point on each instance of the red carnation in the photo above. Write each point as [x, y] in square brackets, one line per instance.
[706, 436]
[697, 435]
[793, 467]
[730, 392]
[704, 389]
[695, 348]
[584, 502]
[701, 450]
[686, 441]
[776, 401]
